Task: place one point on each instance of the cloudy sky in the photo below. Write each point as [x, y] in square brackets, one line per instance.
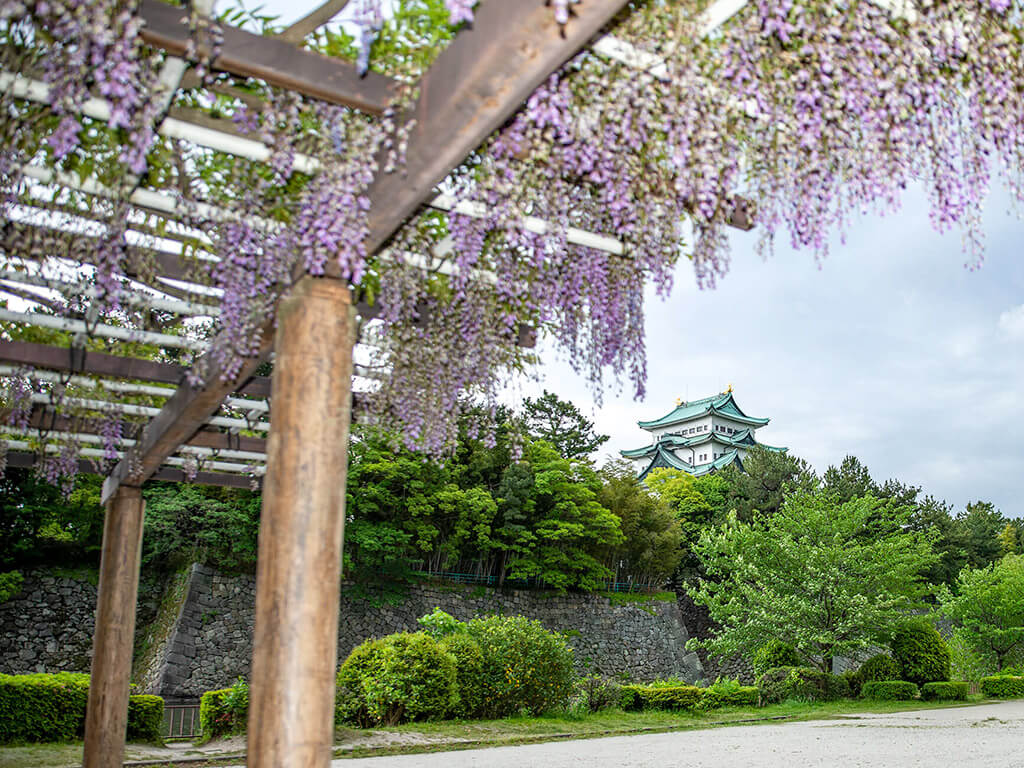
[890, 350]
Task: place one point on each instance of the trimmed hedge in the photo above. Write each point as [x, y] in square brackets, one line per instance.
[1003, 687]
[921, 653]
[889, 690]
[880, 667]
[804, 683]
[772, 654]
[634, 698]
[664, 697]
[51, 707]
[944, 691]
[224, 712]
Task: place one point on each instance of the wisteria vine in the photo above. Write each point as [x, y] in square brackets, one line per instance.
[813, 111]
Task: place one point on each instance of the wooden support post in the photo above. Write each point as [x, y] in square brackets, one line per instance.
[106, 718]
[295, 641]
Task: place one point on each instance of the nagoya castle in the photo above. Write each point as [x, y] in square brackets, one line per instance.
[698, 437]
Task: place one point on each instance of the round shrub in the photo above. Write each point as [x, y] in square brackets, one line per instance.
[402, 677]
[772, 654]
[944, 691]
[525, 667]
[594, 693]
[880, 667]
[889, 690]
[469, 664]
[921, 653]
[801, 683]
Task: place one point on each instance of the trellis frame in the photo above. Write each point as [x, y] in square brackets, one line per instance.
[475, 85]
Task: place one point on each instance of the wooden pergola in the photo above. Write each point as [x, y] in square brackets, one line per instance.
[475, 85]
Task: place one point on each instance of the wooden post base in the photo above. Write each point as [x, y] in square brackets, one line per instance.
[106, 719]
[291, 705]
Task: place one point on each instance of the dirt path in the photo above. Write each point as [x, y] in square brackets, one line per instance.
[986, 736]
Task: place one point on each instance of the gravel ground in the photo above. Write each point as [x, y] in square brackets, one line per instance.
[986, 736]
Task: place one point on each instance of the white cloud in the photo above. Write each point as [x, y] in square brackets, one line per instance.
[1011, 322]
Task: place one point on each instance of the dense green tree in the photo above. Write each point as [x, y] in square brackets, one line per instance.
[766, 479]
[651, 548]
[1008, 540]
[807, 576]
[950, 538]
[219, 526]
[38, 524]
[987, 609]
[561, 423]
[981, 523]
[850, 480]
[570, 529]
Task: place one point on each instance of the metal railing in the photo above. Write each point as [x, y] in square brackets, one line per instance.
[181, 721]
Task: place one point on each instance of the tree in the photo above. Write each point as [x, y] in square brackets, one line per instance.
[219, 526]
[981, 523]
[807, 576]
[950, 538]
[766, 478]
[650, 550]
[1008, 540]
[38, 523]
[987, 606]
[570, 529]
[561, 423]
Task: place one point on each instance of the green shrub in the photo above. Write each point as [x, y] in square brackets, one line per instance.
[802, 683]
[525, 667]
[145, 719]
[224, 712]
[663, 694]
[921, 653]
[439, 624]
[1003, 687]
[729, 693]
[42, 707]
[51, 707]
[944, 691]
[594, 693]
[1014, 671]
[772, 654]
[889, 690]
[880, 667]
[10, 585]
[469, 662]
[402, 677]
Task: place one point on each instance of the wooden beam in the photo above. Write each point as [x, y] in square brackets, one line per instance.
[473, 87]
[25, 460]
[295, 638]
[316, 18]
[106, 715]
[271, 59]
[182, 415]
[101, 364]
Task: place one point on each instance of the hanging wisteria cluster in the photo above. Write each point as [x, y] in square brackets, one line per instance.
[810, 111]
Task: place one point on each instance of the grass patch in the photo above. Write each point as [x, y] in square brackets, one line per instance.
[458, 735]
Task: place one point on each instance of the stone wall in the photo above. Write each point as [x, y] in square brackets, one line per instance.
[199, 636]
[48, 625]
[212, 643]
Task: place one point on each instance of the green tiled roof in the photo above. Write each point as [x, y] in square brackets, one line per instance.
[723, 404]
[665, 458]
[743, 438]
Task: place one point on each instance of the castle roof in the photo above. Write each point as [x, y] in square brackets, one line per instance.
[742, 438]
[723, 404]
[665, 458]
